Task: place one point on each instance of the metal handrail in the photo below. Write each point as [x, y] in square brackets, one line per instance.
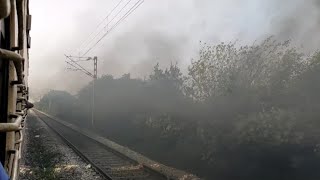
[20, 139]
[21, 23]
[21, 113]
[17, 61]
[14, 126]
[14, 170]
[19, 142]
[15, 153]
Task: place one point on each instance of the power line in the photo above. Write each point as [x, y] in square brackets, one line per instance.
[72, 65]
[76, 68]
[79, 66]
[80, 58]
[132, 9]
[71, 69]
[101, 23]
[108, 23]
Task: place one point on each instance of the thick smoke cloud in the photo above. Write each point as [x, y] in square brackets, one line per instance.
[299, 22]
[159, 31]
[137, 53]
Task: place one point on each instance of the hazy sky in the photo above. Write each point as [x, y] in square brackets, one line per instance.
[158, 31]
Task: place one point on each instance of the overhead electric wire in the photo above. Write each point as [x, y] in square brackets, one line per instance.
[97, 27]
[80, 57]
[94, 41]
[78, 69]
[132, 9]
[84, 58]
[72, 69]
[79, 66]
[107, 24]
[72, 65]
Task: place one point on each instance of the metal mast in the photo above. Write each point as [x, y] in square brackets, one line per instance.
[75, 66]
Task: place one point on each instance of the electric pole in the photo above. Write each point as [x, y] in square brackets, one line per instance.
[95, 72]
[104, 28]
[75, 66]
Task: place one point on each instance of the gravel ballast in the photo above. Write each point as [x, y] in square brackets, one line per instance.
[46, 156]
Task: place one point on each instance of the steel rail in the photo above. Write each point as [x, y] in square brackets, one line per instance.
[74, 148]
[94, 164]
[77, 151]
[148, 164]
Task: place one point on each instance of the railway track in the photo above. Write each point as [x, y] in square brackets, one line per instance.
[112, 160]
[110, 164]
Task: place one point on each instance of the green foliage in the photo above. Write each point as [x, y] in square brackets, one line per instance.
[225, 68]
[243, 112]
[57, 102]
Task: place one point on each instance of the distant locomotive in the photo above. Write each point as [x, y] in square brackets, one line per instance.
[15, 25]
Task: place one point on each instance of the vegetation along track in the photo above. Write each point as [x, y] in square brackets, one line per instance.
[110, 164]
